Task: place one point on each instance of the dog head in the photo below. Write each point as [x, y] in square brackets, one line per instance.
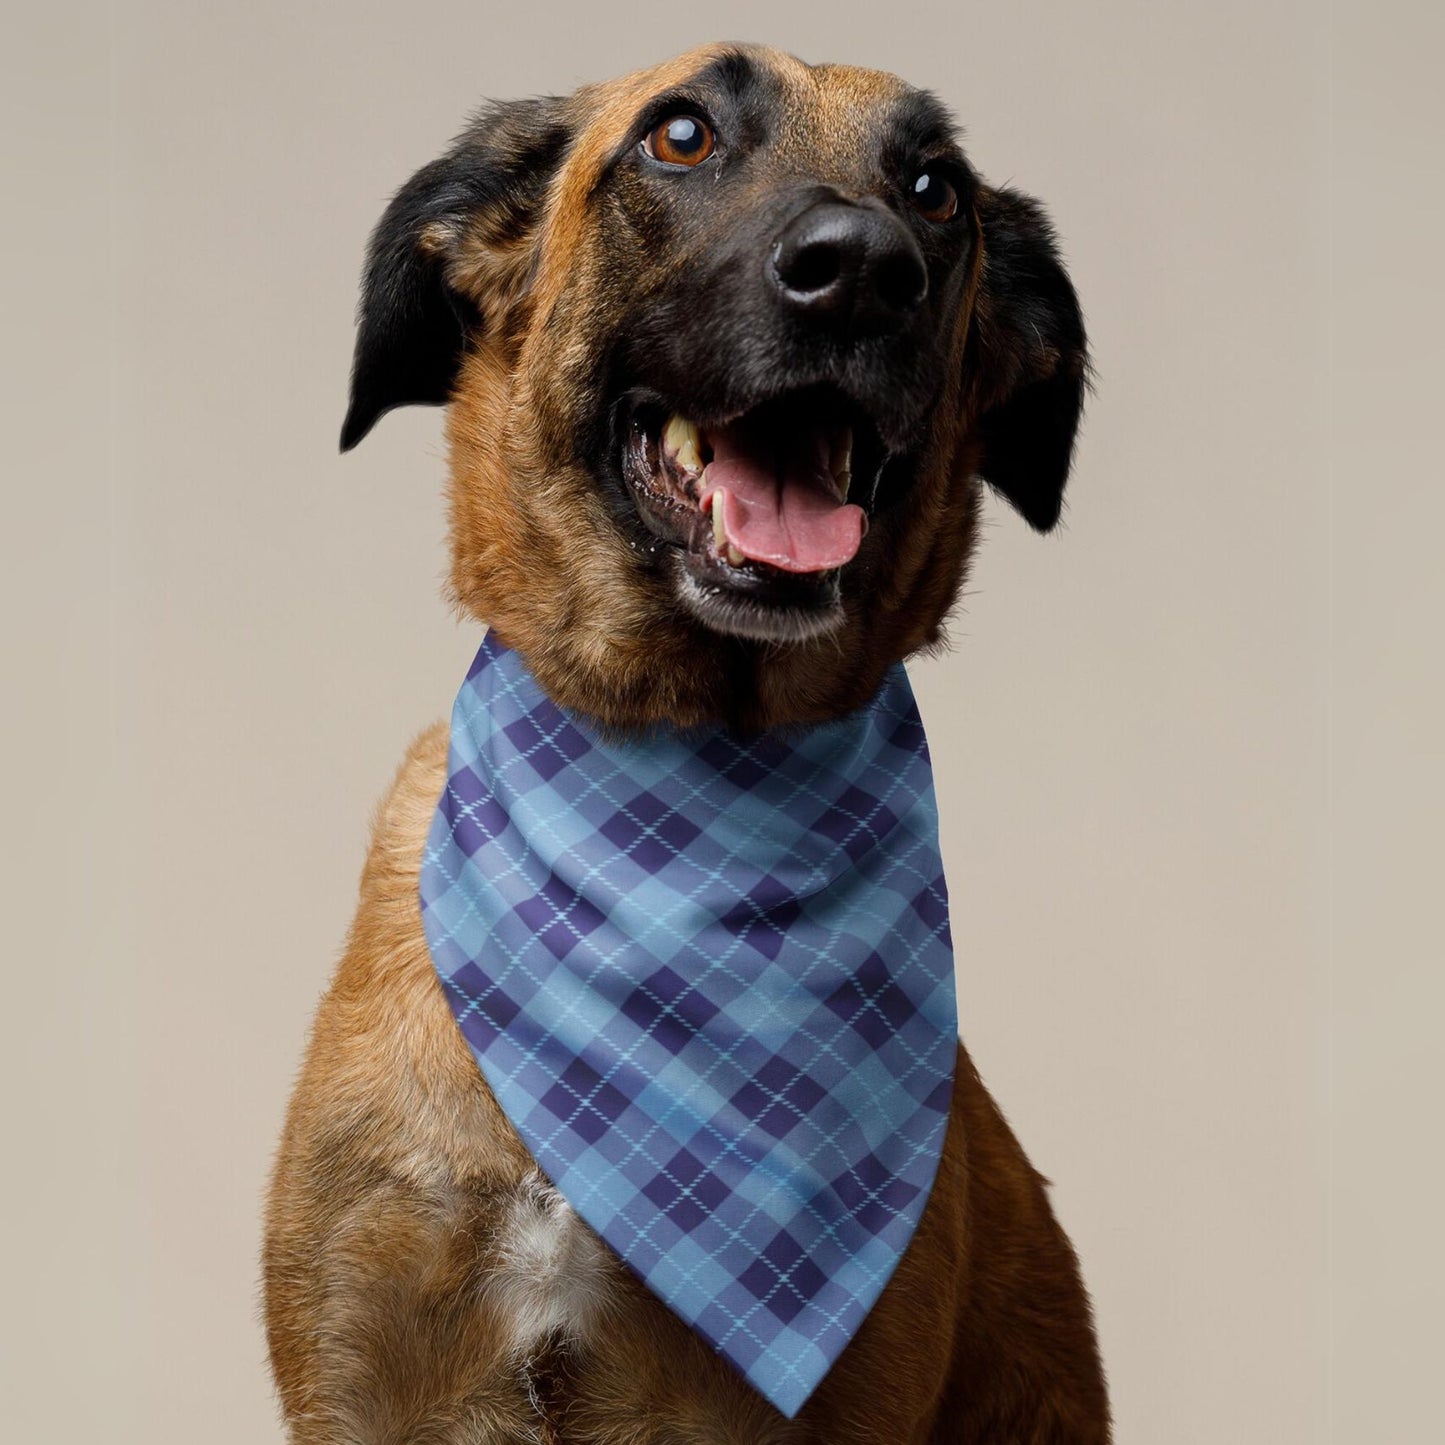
[728, 346]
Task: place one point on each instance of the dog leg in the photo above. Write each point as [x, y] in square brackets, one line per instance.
[381, 1330]
[416, 1268]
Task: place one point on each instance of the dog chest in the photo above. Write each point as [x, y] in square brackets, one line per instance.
[552, 1275]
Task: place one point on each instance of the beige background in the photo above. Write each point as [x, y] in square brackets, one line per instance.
[1189, 747]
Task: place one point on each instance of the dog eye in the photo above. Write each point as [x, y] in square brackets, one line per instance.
[933, 196]
[681, 140]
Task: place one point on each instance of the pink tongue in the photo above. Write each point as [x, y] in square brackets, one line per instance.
[783, 509]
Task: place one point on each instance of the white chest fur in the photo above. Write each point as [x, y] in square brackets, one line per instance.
[553, 1275]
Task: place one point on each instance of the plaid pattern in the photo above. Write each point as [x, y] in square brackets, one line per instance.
[711, 984]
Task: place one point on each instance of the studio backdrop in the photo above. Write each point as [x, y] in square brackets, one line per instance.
[1187, 747]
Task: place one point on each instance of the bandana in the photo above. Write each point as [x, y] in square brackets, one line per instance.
[710, 982]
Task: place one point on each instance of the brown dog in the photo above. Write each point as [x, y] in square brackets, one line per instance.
[730, 245]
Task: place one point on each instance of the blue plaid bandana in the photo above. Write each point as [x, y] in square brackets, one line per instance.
[711, 984]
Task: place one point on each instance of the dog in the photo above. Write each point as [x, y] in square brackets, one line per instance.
[599, 286]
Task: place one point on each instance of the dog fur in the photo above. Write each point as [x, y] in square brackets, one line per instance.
[424, 1283]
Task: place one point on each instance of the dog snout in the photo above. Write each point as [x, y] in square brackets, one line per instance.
[849, 267]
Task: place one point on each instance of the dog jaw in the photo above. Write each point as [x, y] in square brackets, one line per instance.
[537, 553]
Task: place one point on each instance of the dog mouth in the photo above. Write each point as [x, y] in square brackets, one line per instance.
[760, 513]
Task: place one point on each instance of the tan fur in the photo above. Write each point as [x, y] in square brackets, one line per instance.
[423, 1285]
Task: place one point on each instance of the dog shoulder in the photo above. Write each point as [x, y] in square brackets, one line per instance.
[387, 1067]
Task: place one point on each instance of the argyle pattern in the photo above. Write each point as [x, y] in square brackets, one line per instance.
[710, 982]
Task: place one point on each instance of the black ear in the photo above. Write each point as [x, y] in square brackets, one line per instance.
[413, 322]
[1031, 358]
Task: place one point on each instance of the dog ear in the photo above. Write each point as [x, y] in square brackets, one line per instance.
[414, 319]
[1030, 358]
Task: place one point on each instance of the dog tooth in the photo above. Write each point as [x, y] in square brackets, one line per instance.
[680, 438]
[718, 534]
[735, 558]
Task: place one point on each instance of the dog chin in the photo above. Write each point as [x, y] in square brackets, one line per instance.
[727, 610]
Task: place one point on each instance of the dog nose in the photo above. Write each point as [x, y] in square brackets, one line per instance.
[853, 267]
